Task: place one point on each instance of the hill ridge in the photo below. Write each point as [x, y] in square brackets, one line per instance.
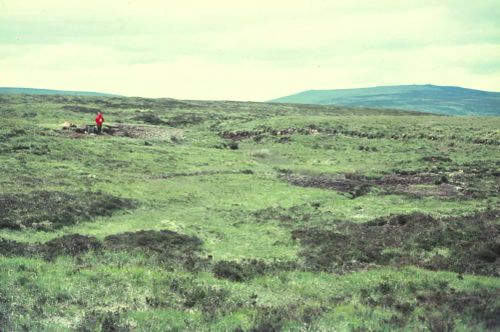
[37, 91]
[451, 100]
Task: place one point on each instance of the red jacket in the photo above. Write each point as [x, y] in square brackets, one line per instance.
[99, 119]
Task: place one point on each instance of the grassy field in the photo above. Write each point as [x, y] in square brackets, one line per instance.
[232, 216]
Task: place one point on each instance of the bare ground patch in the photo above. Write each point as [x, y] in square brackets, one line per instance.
[416, 184]
[133, 131]
[202, 173]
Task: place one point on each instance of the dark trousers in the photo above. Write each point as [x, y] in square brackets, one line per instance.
[99, 128]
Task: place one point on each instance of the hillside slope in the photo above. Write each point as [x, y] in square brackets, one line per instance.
[31, 91]
[425, 98]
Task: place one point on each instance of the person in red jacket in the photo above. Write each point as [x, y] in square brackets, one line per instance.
[99, 119]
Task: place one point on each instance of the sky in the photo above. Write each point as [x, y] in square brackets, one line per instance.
[247, 50]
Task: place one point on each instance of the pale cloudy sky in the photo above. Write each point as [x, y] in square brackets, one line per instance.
[247, 50]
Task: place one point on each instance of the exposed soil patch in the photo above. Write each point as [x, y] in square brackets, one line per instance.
[437, 306]
[351, 184]
[412, 184]
[471, 180]
[48, 210]
[132, 131]
[202, 173]
[464, 244]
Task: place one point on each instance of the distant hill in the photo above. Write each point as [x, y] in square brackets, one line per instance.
[425, 98]
[30, 91]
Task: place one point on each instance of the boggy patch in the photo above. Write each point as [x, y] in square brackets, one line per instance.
[438, 306]
[460, 244]
[48, 210]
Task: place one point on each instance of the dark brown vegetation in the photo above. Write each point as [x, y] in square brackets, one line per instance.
[164, 241]
[463, 244]
[49, 210]
[169, 246]
[438, 306]
[186, 119]
[249, 269]
[149, 118]
[70, 245]
[80, 109]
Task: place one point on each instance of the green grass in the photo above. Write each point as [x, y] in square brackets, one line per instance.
[188, 180]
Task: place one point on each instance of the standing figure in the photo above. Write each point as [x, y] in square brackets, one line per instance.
[99, 119]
